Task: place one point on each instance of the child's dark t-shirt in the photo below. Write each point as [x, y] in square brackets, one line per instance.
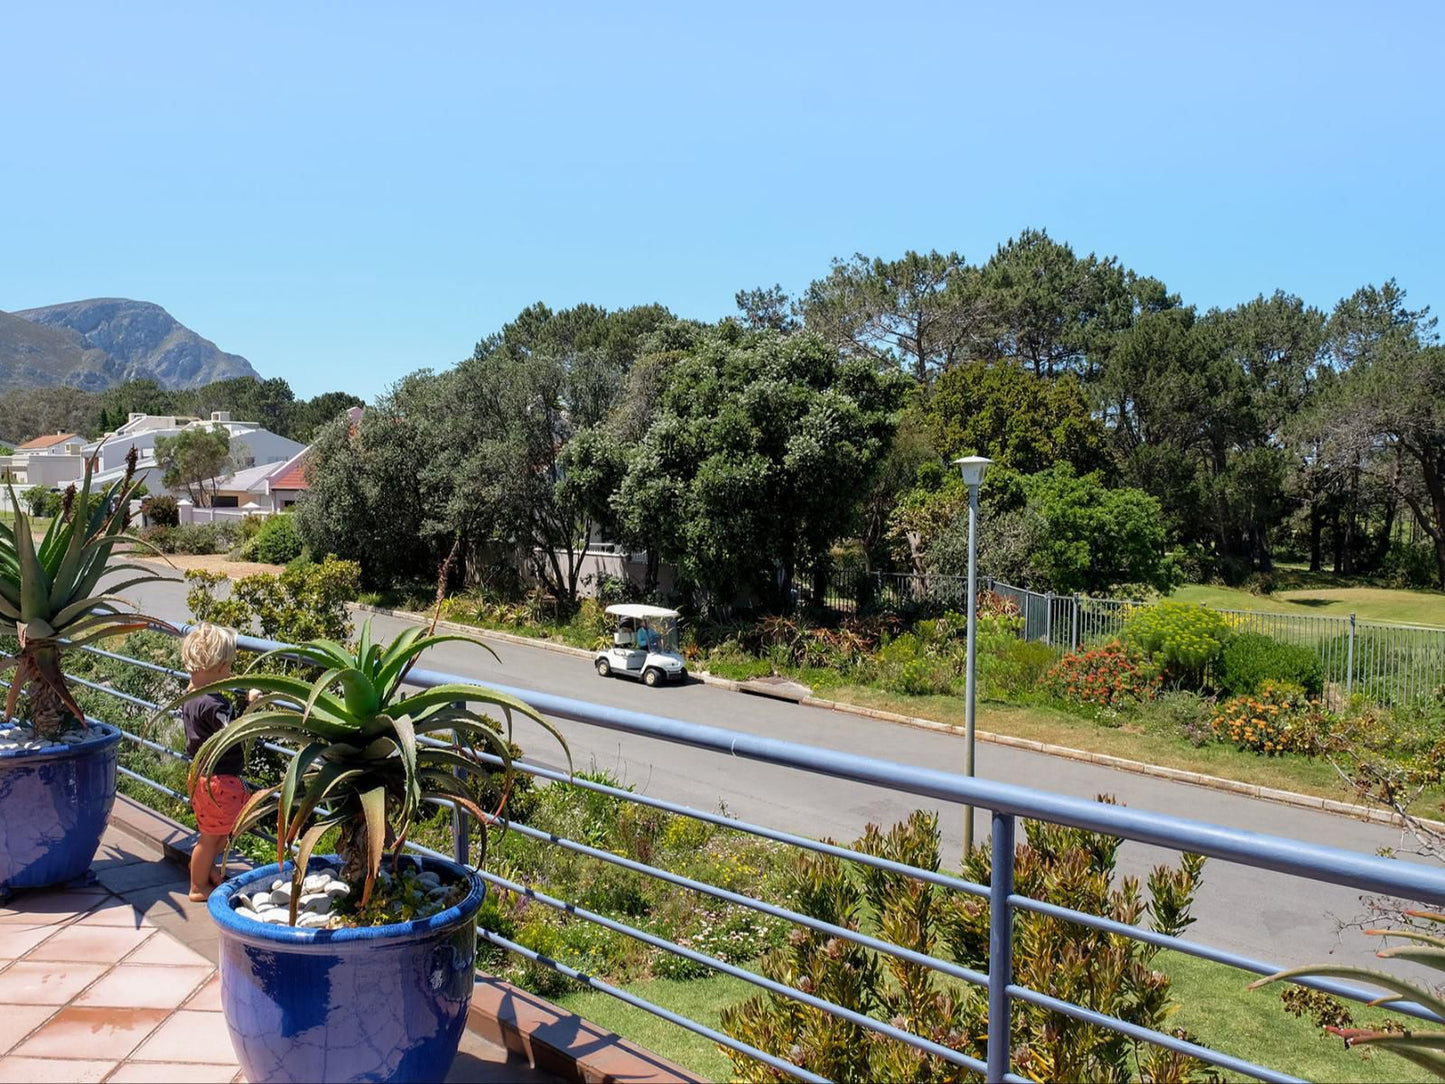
[204, 716]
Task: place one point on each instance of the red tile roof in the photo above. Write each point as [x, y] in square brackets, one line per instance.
[293, 477]
[47, 442]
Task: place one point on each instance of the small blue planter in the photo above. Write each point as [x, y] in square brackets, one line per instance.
[379, 1003]
[54, 804]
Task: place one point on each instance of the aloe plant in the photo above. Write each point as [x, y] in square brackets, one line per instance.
[361, 765]
[52, 594]
[1425, 1048]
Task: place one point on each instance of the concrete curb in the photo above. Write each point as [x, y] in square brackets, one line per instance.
[1103, 760]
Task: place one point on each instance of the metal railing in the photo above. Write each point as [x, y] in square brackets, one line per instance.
[1006, 803]
[1388, 663]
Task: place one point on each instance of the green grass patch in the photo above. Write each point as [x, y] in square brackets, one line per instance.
[700, 999]
[1131, 740]
[1415, 607]
[1216, 1008]
[1219, 1010]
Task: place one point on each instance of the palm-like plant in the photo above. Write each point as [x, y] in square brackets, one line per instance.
[51, 593]
[364, 764]
[1426, 1048]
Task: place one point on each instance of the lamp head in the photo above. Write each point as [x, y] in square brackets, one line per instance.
[973, 468]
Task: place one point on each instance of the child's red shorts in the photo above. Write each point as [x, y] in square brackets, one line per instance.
[217, 801]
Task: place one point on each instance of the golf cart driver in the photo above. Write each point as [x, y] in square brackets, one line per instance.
[644, 645]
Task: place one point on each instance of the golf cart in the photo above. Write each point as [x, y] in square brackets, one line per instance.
[644, 645]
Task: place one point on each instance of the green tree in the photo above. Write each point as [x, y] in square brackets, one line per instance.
[917, 312]
[1019, 420]
[194, 460]
[1050, 311]
[766, 307]
[761, 452]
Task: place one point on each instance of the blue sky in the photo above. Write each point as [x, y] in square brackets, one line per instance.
[347, 192]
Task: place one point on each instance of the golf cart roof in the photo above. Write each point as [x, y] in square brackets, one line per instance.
[639, 610]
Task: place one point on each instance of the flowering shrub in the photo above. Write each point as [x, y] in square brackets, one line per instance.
[1279, 718]
[1185, 640]
[1105, 676]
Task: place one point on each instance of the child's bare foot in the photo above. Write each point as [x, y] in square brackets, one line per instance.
[200, 895]
[215, 877]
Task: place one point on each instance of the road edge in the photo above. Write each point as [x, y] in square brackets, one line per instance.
[1063, 752]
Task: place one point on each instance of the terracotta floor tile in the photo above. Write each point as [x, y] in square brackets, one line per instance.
[50, 907]
[190, 1036]
[115, 912]
[16, 941]
[96, 944]
[172, 1072]
[18, 1021]
[46, 982]
[58, 1070]
[137, 987]
[165, 949]
[102, 1033]
[207, 998]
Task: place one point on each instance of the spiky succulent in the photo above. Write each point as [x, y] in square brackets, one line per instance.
[1426, 1048]
[52, 594]
[363, 764]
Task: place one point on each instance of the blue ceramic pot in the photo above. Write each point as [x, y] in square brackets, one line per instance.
[54, 804]
[375, 1003]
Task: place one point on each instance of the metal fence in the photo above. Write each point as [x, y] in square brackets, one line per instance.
[1007, 803]
[1389, 664]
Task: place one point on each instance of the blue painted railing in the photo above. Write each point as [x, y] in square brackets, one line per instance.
[1007, 803]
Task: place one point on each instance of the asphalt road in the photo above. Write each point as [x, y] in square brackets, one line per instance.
[1259, 913]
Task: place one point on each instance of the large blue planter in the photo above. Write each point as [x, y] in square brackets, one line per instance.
[54, 804]
[381, 1003]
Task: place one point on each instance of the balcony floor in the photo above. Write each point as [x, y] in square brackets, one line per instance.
[117, 982]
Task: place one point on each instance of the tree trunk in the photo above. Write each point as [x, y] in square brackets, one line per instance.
[48, 713]
[1317, 523]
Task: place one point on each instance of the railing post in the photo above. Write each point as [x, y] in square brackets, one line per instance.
[1350, 660]
[1000, 946]
[1049, 617]
[1074, 626]
[461, 830]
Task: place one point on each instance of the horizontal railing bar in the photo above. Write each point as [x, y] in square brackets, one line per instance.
[1206, 952]
[932, 877]
[148, 781]
[142, 663]
[1312, 861]
[127, 697]
[1149, 1035]
[647, 1006]
[783, 990]
[945, 966]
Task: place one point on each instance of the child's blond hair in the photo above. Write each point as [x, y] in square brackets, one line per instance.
[208, 646]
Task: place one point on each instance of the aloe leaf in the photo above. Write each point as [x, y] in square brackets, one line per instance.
[373, 808]
[290, 781]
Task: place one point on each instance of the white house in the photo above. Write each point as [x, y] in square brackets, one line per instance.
[254, 491]
[56, 461]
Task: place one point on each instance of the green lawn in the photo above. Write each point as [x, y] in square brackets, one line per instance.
[1216, 1008]
[1416, 607]
[38, 524]
[1219, 1010]
[699, 999]
[1297, 773]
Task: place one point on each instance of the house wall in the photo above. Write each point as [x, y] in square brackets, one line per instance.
[599, 563]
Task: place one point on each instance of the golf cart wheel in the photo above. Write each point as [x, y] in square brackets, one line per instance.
[604, 668]
[652, 677]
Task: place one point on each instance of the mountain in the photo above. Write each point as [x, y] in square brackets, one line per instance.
[105, 341]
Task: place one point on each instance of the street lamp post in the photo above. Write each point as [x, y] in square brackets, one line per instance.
[973, 467]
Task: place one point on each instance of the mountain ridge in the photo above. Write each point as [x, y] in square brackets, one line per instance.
[99, 342]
